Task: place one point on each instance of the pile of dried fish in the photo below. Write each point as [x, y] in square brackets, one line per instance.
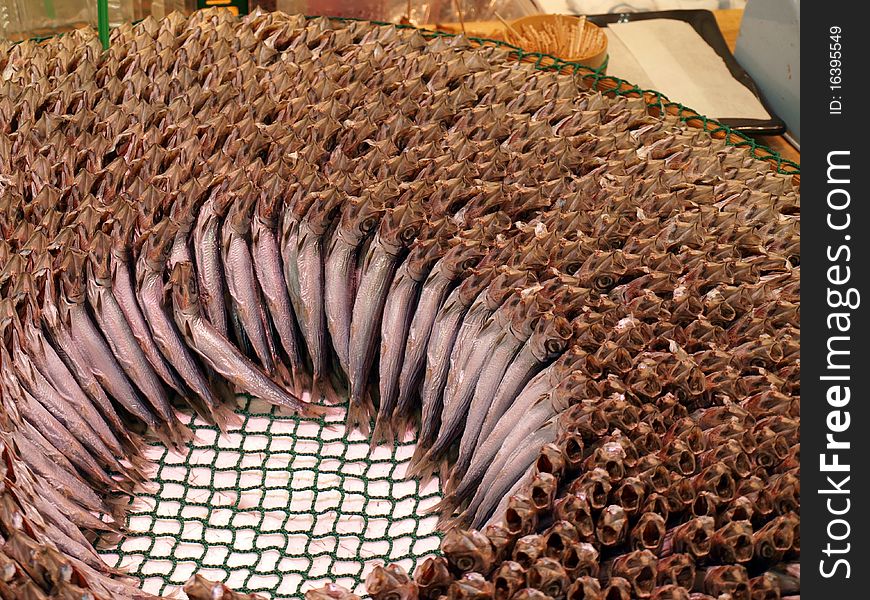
[590, 313]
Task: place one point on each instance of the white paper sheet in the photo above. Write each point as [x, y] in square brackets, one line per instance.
[622, 63]
[679, 63]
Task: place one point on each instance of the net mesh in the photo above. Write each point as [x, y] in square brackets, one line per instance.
[275, 506]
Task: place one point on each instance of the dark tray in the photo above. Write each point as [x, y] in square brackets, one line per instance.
[705, 24]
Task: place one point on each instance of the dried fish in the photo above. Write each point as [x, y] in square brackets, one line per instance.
[595, 310]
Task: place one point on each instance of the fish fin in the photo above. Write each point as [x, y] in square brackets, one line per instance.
[119, 507]
[456, 474]
[309, 410]
[108, 539]
[223, 417]
[402, 426]
[330, 393]
[382, 435]
[301, 382]
[419, 454]
[446, 505]
[359, 415]
[174, 437]
[443, 471]
[447, 521]
[282, 375]
[427, 472]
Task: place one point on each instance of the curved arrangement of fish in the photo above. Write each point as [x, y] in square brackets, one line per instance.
[590, 313]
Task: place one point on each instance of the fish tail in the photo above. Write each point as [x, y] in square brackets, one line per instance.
[301, 381]
[135, 466]
[383, 432]
[416, 458]
[452, 519]
[359, 415]
[118, 509]
[223, 417]
[109, 538]
[458, 471]
[222, 388]
[402, 425]
[172, 437]
[331, 394]
[320, 411]
[446, 505]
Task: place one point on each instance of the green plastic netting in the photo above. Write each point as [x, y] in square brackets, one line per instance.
[277, 505]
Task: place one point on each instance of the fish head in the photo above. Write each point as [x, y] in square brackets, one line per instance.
[391, 583]
[548, 576]
[551, 460]
[471, 586]
[70, 271]
[433, 577]
[158, 242]
[400, 226]
[551, 338]
[361, 217]
[509, 578]
[330, 591]
[182, 281]
[200, 588]
[463, 257]
[521, 518]
[467, 551]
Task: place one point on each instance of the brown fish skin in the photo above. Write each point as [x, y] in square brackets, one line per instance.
[53, 415]
[543, 346]
[220, 354]
[433, 295]
[587, 588]
[471, 586]
[330, 591]
[109, 425]
[396, 231]
[548, 575]
[125, 295]
[69, 484]
[200, 588]
[207, 248]
[102, 362]
[690, 249]
[240, 279]
[399, 308]
[467, 551]
[123, 344]
[151, 294]
[267, 265]
[384, 583]
[433, 578]
[356, 223]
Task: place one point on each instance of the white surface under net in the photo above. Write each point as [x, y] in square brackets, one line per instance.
[276, 506]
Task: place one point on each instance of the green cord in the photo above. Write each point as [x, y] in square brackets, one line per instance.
[103, 22]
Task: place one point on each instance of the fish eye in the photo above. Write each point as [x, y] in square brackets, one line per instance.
[409, 234]
[369, 223]
[603, 282]
[465, 563]
[553, 346]
[468, 263]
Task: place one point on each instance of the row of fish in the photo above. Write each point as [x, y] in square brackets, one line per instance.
[312, 212]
